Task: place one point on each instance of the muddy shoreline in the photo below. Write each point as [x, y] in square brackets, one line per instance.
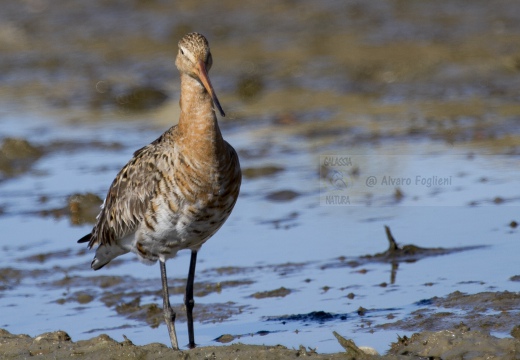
[456, 342]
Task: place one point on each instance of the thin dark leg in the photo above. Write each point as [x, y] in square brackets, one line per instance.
[188, 299]
[169, 314]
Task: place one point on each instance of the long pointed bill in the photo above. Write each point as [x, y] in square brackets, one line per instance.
[203, 75]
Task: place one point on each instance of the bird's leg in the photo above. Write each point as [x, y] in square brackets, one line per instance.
[169, 314]
[188, 298]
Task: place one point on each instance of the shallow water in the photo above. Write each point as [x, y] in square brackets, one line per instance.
[402, 128]
[301, 244]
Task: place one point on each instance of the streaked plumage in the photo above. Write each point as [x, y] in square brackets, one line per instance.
[176, 192]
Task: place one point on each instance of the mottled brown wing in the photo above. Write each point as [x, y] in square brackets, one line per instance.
[128, 197]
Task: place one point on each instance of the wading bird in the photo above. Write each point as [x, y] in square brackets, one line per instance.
[176, 192]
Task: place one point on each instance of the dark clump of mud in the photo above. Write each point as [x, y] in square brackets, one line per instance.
[457, 343]
[280, 292]
[80, 208]
[151, 313]
[314, 316]
[486, 311]
[84, 208]
[282, 195]
[17, 156]
[258, 172]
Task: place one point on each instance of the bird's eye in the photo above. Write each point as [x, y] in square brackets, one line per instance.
[182, 52]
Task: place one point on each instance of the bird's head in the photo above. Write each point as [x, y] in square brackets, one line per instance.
[194, 59]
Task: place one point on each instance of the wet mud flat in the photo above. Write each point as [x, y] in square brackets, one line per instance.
[456, 326]
[458, 342]
[445, 327]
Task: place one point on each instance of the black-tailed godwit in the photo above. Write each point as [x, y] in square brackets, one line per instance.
[176, 192]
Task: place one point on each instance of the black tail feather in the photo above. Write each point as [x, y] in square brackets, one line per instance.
[85, 238]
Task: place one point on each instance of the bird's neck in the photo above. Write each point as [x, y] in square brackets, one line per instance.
[198, 126]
